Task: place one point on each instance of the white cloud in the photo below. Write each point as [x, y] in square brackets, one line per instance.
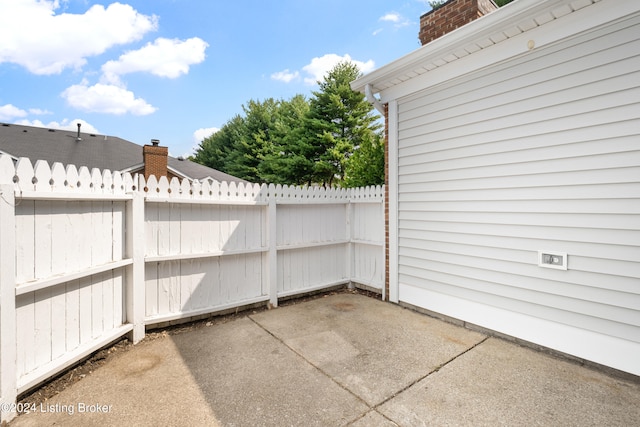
[39, 112]
[395, 18]
[44, 42]
[203, 133]
[164, 57]
[319, 67]
[10, 112]
[285, 76]
[106, 98]
[391, 17]
[65, 124]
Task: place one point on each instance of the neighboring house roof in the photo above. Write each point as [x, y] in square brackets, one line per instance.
[92, 151]
[498, 36]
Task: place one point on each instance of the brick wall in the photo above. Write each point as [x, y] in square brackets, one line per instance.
[451, 15]
[155, 160]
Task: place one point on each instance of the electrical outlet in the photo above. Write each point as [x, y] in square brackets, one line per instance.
[552, 259]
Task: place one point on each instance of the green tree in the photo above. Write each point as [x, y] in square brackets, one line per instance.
[366, 165]
[290, 161]
[339, 120]
[254, 140]
[300, 141]
[214, 150]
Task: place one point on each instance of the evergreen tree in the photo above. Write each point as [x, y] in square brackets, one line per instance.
[333, 138]
[366, 165]
[289, 162]
[214, 150]
[339, 120]
[254, 141]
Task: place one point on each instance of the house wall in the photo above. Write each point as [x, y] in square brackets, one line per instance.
[536, 153]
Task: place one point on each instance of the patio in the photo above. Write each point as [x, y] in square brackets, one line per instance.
[339, 359]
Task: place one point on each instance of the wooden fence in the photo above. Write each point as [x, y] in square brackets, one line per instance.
[89, 256]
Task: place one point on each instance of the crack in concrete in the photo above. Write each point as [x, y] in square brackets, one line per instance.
[431, 372]
[376, 406]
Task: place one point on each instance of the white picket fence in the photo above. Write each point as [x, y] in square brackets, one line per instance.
[89, 256]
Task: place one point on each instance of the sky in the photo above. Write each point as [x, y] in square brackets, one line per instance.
[178, 70]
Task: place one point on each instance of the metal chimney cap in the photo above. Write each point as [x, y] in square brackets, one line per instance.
[155, 142]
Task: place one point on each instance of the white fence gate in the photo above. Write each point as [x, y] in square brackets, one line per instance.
[89, 256]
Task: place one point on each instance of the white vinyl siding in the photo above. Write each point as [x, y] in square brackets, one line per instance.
[541, 152]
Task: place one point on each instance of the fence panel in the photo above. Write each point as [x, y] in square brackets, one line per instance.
[95, 255]
[312, 244]
[367, 238]
[69, 265]
[203, 249]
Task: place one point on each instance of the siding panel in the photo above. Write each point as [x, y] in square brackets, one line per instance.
[537, 153]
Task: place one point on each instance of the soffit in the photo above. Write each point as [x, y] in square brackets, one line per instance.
[513, 20]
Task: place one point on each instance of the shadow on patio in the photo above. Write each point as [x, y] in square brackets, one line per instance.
[339, 359]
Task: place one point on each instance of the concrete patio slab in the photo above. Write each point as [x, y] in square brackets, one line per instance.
[232, 374]
[374, 350]
[149, 385]
[338, 360]
[501, 383]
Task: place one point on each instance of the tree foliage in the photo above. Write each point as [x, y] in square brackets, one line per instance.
[214, 150]
[290, 160]
[331, 139]
[366, 166]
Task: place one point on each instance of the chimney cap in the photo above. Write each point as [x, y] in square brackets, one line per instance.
[155, 142]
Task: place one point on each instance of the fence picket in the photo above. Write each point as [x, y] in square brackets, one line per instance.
[24, 174]
[72, 315]
[107, 182]
[58, 177]
[7, 170]
[73, 178]
[42, 176]
[95, 186]
[174, 188]
[25, 337]
[163, 187]
[84, 180]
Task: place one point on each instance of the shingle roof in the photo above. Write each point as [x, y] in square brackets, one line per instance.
[92, 151]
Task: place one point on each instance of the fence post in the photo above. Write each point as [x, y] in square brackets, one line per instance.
[272, 254]
[135, 290]
[383, 254]
[8, 364]
[350, 245]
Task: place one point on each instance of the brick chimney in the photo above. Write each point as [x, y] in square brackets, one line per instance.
[451, 15]
[155, 159]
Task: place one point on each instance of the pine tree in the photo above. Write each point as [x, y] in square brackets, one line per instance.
[366, 165]
[254, 140]
[290, 160]
[339, 120]
[214, 150]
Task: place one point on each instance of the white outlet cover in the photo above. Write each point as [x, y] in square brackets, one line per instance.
[553, 259]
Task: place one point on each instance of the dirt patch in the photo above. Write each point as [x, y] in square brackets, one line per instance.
[67, 378]
[343, 306]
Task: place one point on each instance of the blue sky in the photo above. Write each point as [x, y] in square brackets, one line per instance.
[176, 70]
